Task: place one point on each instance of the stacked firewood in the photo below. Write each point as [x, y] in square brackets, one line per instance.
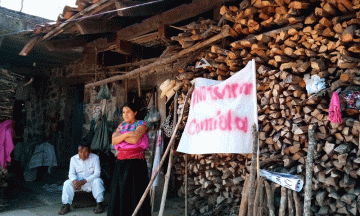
[288, 40]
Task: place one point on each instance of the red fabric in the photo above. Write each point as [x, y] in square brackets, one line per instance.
[334, 109]
[133, 153]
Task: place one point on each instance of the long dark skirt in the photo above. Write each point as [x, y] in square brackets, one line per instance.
[128, 184]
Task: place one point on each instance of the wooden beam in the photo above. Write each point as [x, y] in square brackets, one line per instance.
[80, 28]
[66, 44]
[67, 23]
[224, 33]
[29, 46]
[169, 17]
[124, 47]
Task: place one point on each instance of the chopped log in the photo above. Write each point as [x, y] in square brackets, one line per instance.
[348, 34]
[309, 171]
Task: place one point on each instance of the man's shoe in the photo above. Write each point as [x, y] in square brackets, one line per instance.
[99, 208]
[64, 209]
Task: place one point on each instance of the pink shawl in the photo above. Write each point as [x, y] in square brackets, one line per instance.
[6, 142]
[334, 109]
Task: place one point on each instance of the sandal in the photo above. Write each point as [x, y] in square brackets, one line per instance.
[64, 209]
[99, 208]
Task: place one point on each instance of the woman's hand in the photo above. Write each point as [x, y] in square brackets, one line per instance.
[118, 138]
[134, 136]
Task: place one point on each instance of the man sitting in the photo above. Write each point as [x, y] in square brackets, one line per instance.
[84, 174]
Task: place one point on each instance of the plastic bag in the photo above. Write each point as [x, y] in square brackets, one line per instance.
[154, 115]
[104, 92]
[314, 84]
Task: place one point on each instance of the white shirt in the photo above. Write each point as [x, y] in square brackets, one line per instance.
[88, 169]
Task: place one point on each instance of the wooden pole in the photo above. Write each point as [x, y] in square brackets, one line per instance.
[270, 198]
[172, 139]
[283, 201]
[291, 211]
[259, 186]
[126, 90]
[309, 170]
[147, 69]
[186, 184]
[244, 197]
[297, 204]
[253, 171]
[139, 85]
[167, 177]
[166, 186]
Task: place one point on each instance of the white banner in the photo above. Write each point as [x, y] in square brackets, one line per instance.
[286, 180]
[221, 115]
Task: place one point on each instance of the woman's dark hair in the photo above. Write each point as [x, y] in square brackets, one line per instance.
[135, 108]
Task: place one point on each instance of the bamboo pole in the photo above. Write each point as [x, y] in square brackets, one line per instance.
[147, 69]
[172, 139]
[167, 177]
[253, 171]
[309, 171]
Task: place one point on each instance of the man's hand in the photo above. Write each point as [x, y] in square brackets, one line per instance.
[79, 184]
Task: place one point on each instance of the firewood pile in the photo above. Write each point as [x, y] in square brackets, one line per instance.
[288, 40]
[8, 85]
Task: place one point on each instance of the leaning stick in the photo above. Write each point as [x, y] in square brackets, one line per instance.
[186, 184]
[309, 171]
[290, 203]
[253, 171]
[166, 185]
[261, 198]
[164, 156]
[244, 197]
[256, 200]
[297, 203]
[167, 176]
[258, 196]
[270, 198]
[283, 201]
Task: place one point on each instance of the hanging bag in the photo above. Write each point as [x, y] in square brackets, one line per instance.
[167, 126]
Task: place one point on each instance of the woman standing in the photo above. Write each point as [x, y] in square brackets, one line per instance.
[130, 177]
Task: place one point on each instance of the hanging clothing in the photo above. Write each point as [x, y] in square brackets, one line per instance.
[6, 142]
[157, 157]
[334, 109]
[101, 140]
[44, 155]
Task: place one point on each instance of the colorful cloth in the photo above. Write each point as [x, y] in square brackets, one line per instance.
[334, 109]
[126, 127]
[6, 142]
[157, 157]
